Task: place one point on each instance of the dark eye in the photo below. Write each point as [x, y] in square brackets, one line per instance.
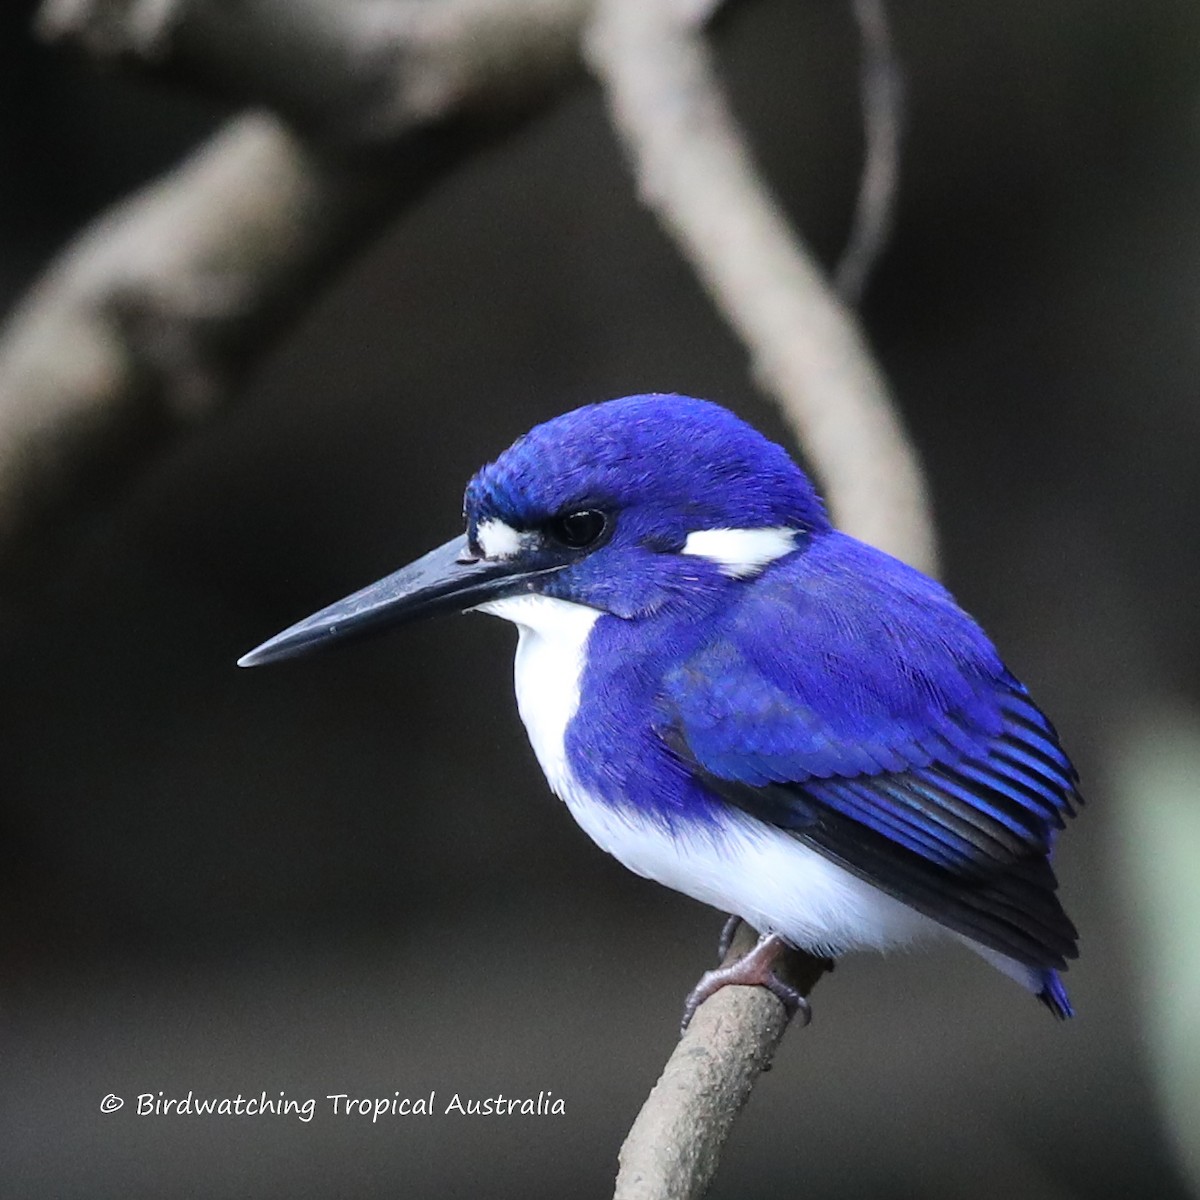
[578, 530]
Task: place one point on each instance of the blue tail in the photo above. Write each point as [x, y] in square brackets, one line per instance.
[1054, 996]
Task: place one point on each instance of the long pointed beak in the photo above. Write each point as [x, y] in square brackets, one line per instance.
[448, 579]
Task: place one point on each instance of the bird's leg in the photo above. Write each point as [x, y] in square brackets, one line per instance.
[727, 934]
[755, 969]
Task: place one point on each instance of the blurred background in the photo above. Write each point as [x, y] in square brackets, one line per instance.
[347, 875]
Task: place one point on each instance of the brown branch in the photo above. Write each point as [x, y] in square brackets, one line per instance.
[672, 1150]
[693, 169]
[150, 317]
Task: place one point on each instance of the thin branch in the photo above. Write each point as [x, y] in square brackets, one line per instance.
[146, 322]
[883, 113]
[672, 1150]
[693, 169]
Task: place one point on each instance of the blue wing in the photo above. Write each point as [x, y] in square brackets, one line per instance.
[849, 701]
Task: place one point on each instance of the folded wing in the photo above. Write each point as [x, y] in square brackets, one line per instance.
[864, 713]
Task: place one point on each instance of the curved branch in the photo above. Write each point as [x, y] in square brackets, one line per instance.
[693, 169]
[882, 105]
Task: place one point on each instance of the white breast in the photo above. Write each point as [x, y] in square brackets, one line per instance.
[741, 866]
[549, 663]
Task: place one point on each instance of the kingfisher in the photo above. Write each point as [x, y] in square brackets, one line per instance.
[741, 702]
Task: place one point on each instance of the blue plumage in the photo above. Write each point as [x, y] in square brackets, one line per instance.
[748, 705]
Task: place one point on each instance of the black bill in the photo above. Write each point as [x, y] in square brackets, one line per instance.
[448, 579]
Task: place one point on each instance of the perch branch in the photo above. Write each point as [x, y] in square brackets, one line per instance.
[148, 319]
[672, 1150]
[693, 169]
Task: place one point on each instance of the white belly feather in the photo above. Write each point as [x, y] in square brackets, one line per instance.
[744, 866]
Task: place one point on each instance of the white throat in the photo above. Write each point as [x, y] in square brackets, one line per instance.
[547, 671]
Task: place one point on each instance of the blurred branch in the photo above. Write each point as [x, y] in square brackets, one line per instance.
[882, 105]
[150, 316]
[359, 73]
[146, 318]
[693, 168]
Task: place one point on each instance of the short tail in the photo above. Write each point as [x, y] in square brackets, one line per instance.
[1044, 982]
[1054, 995]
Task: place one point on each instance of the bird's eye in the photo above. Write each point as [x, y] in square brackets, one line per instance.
[578, 530]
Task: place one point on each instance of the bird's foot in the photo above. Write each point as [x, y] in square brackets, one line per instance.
[728, 932]
[756, 969]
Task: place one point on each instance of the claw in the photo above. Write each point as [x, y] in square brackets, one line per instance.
[755, 969]
[728, 932]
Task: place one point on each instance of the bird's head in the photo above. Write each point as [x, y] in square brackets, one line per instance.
[625, 507]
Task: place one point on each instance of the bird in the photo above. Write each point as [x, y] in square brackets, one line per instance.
[739, 701]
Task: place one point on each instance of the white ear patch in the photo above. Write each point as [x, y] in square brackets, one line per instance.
[741, 552]
[498, 540]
